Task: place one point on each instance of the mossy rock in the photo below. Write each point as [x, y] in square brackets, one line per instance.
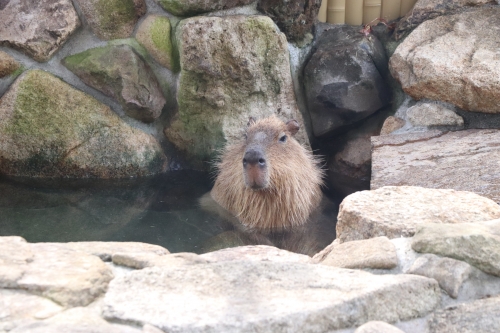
[8, 65]
[193, 7]
[50, 129]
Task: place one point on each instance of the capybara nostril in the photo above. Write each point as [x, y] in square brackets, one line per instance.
[254, 157]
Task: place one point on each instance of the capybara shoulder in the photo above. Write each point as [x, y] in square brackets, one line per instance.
[268, 180]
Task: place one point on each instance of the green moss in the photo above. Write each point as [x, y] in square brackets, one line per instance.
[133, 43]
[18, 71]
[114, 13]
[173, 6]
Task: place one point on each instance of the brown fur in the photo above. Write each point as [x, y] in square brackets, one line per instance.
[294, 185]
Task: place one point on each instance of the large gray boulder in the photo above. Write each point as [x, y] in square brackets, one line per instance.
[463, 160]
[396, 211]
[37, 28]
[344, 79]
[193, 7]
[424, 10]
[232, 68]
[249, 296]
[453, 58]
[120, 72]
[50, 129]
[112, 19]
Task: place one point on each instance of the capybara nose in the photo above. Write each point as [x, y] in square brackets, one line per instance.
[254, 157]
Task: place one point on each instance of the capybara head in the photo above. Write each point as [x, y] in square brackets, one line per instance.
[267, 179]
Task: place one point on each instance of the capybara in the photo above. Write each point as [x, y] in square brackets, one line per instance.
[267, 179]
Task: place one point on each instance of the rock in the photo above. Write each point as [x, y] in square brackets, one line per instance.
[433, 114]
[344, 79]
[39, 28]
[375, 253]
[449, 273]
[478, 316]
[463, 160]
[15, 255]
[154, 34]
[255, 253]
[119, 72]
[296, 19]
[395, 211]
[392, 124]
[44, 135]
[77, 320]
[424, 10]
[455, 59]
[243, 71]
[377, 327]
[193, 7]
[68, 277]
[112, 19]
[224, 240]
[349, 169]
[18, 307]
[106, 250]
[472, 243]
[143, 260]
[8, 64]
[239, 296]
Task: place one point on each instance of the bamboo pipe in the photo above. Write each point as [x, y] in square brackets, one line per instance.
[391, 9]
[354, 12]
[371, 10]
[336, 11]
[322, 11]
[406, 6]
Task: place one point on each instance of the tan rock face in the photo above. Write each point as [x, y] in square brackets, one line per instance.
[246, 296]
[15, 255]
[37, 28]
[255, 253]
[391, 124]
[431, 114]
[375, 253]
[455, 59]
[463, 160]
[396, 211]
[232, 68]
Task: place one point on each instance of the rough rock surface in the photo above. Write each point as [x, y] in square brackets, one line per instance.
[37, 28]
[17, 306]
[472, 243]
[272, 293]
[118, 71]
[344, 79]
[154, 34]
[424, 10]
[395, 211]
[463, 160]
[192, 7]
[455, 59]
[49, 129]
[77, 320]
[15, 255]
[8, 64]
[255, 253]
[141, 260]
[112, 19]
[449, 273]
[295, 19]
[68, 277]
[478, 316]
[232, 68]
[433, 114]
[375, 253]
[106, 250]
[377, 327]
[392, 124]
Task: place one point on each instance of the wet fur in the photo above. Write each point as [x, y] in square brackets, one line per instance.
[295, 181]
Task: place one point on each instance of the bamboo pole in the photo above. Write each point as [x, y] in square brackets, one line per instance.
[406, 6]
[391, 9]
[354, 12]
[336, 11]
[322, 11]
[371, 10]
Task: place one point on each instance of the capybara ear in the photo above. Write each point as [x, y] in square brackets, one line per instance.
[251, 121]
[292, 126]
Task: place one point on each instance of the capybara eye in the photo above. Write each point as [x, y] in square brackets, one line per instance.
[283, 138]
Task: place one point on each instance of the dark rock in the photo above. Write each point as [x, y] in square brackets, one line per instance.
[37, 28]
[294, 18]
[344, 79]
[120, 72]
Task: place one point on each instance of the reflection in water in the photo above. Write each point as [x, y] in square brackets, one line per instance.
[161, 210]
